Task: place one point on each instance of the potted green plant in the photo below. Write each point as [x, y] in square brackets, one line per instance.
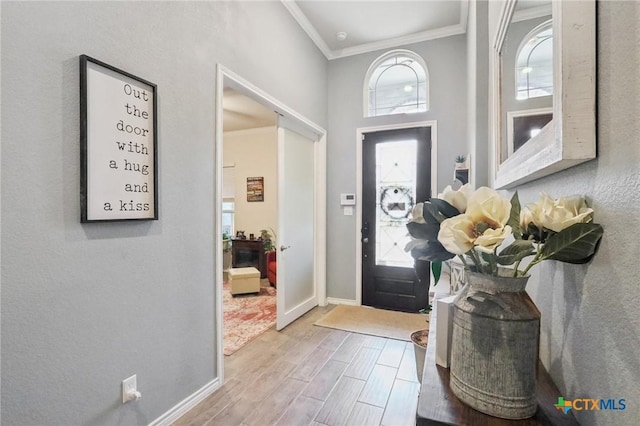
[226, 251]
[268, 240]
[461, 161]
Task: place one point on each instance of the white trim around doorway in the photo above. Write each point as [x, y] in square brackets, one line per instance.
[433, 124]
[227, 78]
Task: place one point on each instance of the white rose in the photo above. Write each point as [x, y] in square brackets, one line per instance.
[457, 234]
[576, 211]
[492, 238]
[559, 214]
[486, 205]
[483, 224]
[457, 199]
[538, 210]
[526, 217]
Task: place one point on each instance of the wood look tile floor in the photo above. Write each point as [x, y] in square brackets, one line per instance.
[309, 375]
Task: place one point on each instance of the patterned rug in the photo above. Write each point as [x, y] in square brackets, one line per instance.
[246, 316]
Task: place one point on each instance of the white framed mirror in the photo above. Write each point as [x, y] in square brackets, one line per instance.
[544, 86]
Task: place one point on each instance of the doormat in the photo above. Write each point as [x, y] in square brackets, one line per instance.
[247, 316]
[375, 322]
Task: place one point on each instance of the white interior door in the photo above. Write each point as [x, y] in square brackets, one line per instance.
[296, 235]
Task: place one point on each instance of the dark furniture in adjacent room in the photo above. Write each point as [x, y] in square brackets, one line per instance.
[245, 253]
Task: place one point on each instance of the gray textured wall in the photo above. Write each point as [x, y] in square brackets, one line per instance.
[446, 60]
[590, 337]
[85, 306]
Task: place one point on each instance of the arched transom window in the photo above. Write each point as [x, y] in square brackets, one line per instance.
[397, 82]
[534, 65]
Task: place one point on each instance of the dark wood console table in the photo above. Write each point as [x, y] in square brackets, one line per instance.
[246, 253]
[437, 405]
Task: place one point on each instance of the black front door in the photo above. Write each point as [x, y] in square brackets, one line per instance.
[396, 173]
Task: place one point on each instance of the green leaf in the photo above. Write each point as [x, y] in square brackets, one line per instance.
[445, 208]
[538, 234]
[426, 310]
[432, 251]
[516, 251]
[436, 270]
[514, 217]
[575, 244]
[588, 258]
[431, 213]
[424, 231]
[486, 256]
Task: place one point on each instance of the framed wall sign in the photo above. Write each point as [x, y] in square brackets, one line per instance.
[118, 144]
[255, 189]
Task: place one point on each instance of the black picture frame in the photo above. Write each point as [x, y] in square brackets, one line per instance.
[118, 144]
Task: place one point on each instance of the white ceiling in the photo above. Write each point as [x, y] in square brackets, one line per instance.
[370, 25]
[373, 25]
[241, 112]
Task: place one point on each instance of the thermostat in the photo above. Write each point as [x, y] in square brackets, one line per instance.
[347, 199]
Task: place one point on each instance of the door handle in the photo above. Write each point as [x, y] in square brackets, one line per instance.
[365, 233]
[283, 248]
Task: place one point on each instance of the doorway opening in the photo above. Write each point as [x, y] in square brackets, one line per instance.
[299, 152]
[396, 168]
[249, 212]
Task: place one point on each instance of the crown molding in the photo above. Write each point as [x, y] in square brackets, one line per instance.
[451, 30]
[302, 20]
[399, 41]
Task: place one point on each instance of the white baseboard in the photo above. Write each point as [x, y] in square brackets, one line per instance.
[335, 301]
[186, 404]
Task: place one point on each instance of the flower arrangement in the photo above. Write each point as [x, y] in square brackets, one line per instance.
[473, 225]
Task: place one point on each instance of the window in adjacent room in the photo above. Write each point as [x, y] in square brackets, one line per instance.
[228, 211]
[228, 199]
[396, 83]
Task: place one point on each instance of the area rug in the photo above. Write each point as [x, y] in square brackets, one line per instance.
[246, 316]
[375, 322]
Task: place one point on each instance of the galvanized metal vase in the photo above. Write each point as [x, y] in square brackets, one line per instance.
[494, 354]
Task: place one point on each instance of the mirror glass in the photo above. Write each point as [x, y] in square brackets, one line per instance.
[526, 76]
[543, 121]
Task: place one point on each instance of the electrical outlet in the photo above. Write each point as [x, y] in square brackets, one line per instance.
[129, 387]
